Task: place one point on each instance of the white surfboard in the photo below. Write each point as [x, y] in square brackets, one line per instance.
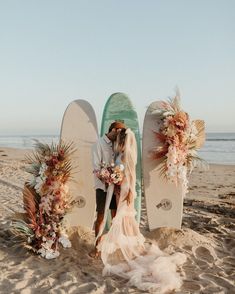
[79, 126]
[164, 200]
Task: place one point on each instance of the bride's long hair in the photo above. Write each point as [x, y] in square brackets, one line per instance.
[119, 144]
[126, 145]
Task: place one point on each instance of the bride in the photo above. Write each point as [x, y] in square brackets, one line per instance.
[123, 249]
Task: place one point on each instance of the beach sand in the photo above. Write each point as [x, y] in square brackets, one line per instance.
[207, 238]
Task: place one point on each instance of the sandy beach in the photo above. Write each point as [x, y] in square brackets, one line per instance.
[207, 238]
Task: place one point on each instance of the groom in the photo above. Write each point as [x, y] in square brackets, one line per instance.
[102, 152]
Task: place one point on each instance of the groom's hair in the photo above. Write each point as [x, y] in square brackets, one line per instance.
[117, 125]
[122, 137]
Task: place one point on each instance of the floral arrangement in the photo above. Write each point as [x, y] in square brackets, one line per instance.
[110, 174]
[178, 139]
[46, 200]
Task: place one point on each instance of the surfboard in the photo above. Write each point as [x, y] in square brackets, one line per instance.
[164, 200]
[79, 126]
[119, 107]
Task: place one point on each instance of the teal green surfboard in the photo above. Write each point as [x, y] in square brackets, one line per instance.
[119, 107]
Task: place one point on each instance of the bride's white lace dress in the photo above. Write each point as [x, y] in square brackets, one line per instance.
[123, 249]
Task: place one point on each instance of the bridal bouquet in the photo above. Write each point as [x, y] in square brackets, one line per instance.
[178, 140]
[117, 174]
[110, 174]
[46, 200]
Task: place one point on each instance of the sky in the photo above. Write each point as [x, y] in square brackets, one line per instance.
[54, 52]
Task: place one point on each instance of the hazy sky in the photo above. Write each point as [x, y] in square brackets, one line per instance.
[53, 52]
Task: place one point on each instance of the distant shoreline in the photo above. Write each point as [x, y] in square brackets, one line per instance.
[219, 148]
[57, 134]
[15, 152]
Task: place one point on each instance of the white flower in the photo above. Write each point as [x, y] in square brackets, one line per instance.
[46, 203]
[167, 113]
[65, 189]
[42, 169]
[32, 180]
[56, 185]
[39, 182]
[48, 253]
[182, 171]
[121, 166]
[65, 241]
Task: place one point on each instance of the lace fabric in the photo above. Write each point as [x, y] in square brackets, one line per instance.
[123, 249]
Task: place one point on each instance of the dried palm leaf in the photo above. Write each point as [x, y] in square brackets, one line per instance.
[21, 229]
[200, 125]
[163, 168]
[160, 136]
[173, 104]
[159, 154]
[194, 160]
[30, 205]
[176, 103]
[42, 148]
[33, 158]
[68, 148]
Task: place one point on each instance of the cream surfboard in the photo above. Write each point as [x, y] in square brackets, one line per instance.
[164, 200]
[79, 126]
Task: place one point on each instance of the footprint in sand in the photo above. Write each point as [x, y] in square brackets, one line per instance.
[229, 244]
[204, 254]
[214, 290]
[16, 276]
[192, 286]
[221, 282]
[87, 288]
[229, 260]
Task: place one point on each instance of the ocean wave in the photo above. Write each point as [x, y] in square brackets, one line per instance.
[217, 139]
[216, 151]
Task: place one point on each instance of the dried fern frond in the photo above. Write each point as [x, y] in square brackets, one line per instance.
[174, 104]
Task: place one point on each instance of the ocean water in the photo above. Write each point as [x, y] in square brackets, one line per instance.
[26, 142]
[219, 147]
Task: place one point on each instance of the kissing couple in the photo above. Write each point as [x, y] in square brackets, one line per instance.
[123, 249]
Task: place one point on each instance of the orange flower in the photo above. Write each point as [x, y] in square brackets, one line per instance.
[181, 120]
